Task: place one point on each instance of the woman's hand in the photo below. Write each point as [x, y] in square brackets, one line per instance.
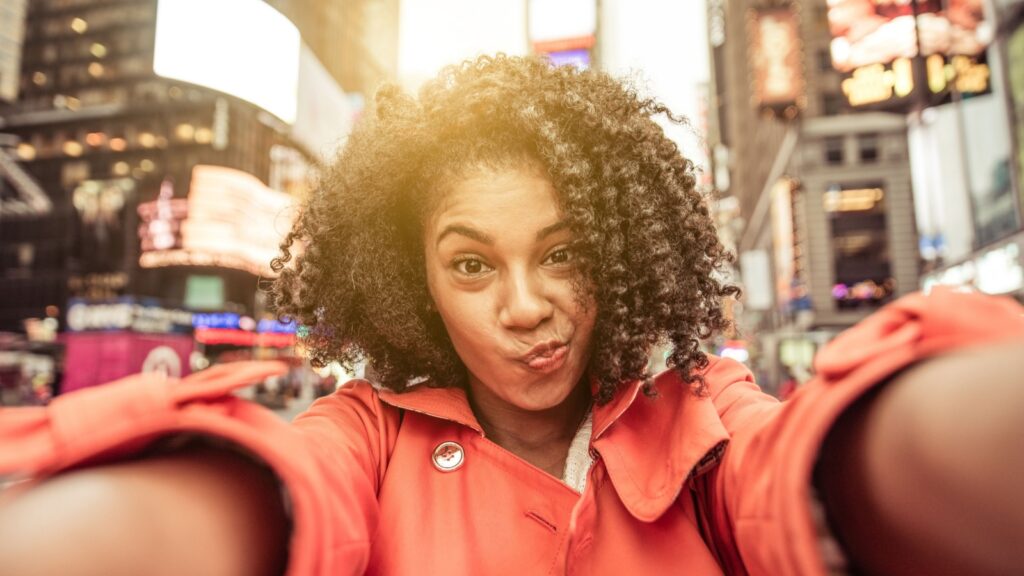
[199, 511]
[924, 477]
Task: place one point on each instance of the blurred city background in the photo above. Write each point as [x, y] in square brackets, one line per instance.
[152, 153]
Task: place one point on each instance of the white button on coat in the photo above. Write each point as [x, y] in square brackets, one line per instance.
[448, 456]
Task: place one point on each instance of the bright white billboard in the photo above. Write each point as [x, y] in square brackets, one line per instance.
[244, 48]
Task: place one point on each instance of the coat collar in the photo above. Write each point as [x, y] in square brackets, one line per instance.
[655, 445]
[453, 405]
[650, 446]
[444, 403]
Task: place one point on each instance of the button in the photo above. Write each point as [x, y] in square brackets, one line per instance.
[448, 456]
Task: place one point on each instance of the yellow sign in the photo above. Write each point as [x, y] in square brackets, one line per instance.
[878, 83]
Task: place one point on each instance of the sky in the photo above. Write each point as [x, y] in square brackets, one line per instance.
[662, 44]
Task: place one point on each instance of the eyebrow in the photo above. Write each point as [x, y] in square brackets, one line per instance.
[549, 230]
[485, 238]
[465, 231]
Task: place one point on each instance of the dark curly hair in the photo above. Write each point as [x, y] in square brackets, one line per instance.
[352, 270]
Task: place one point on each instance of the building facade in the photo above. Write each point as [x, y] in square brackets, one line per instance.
[823, 194]
[151, 165]
[12, 26]
[969, 169]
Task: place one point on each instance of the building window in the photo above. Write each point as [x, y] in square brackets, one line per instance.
[834, 150]
[72, 173]
[824, 60]
[831, 104]
[860, 245]
[867, 144]
[50, 53]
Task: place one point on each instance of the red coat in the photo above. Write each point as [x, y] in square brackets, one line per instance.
[696, 485]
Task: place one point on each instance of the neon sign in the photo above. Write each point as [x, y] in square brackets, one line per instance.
[230, 220]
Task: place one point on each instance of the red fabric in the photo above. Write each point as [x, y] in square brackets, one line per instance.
[368, 498]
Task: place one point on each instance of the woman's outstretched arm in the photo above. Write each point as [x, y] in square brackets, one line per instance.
[924, 476]
[199, 511]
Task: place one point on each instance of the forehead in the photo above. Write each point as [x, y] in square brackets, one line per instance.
[522, 197]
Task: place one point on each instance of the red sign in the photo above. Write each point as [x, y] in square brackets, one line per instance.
[236, 337]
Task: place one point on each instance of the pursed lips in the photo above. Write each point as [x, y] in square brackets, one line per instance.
[546, 357]
[543, 349]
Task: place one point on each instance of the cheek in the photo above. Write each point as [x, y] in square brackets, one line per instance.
[464, 315]
[586, 318]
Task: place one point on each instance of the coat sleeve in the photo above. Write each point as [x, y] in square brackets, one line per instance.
[328, 462]
[760, 497]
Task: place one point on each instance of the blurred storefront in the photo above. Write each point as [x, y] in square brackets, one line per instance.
[966, 158]
[171, 141]
[108, 340]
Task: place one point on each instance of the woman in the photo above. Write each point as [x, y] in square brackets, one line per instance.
[506, 250]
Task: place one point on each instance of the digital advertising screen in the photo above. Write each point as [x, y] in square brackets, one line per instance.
[243, 48]
[877, 44]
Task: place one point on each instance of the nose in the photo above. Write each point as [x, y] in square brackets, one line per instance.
[525, 304]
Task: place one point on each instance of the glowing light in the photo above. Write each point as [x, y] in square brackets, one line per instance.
[204, 135]
[147, 165]
[96, 69]
[98, 50]
[72, 148]
[243, 338]
[185, 131]
[120, 168]
[737, 354]
[26, 151]
[39, 79]
[79, 25]
[852, 200]
[95, 138]
[118, 144]
[147, 140]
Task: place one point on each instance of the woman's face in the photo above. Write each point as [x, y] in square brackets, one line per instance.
[499, 270]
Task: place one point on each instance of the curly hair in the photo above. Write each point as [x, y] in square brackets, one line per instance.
[352, 269]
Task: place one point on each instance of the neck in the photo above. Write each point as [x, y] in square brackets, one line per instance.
[541, 437]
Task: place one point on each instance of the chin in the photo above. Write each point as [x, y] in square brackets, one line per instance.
[545, 394]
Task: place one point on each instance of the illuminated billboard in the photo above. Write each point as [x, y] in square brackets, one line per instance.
[776, 56]
[229, 220]
[243, 48]
[877, 45]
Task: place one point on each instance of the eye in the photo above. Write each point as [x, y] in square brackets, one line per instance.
[470, 266]
[559, 256]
